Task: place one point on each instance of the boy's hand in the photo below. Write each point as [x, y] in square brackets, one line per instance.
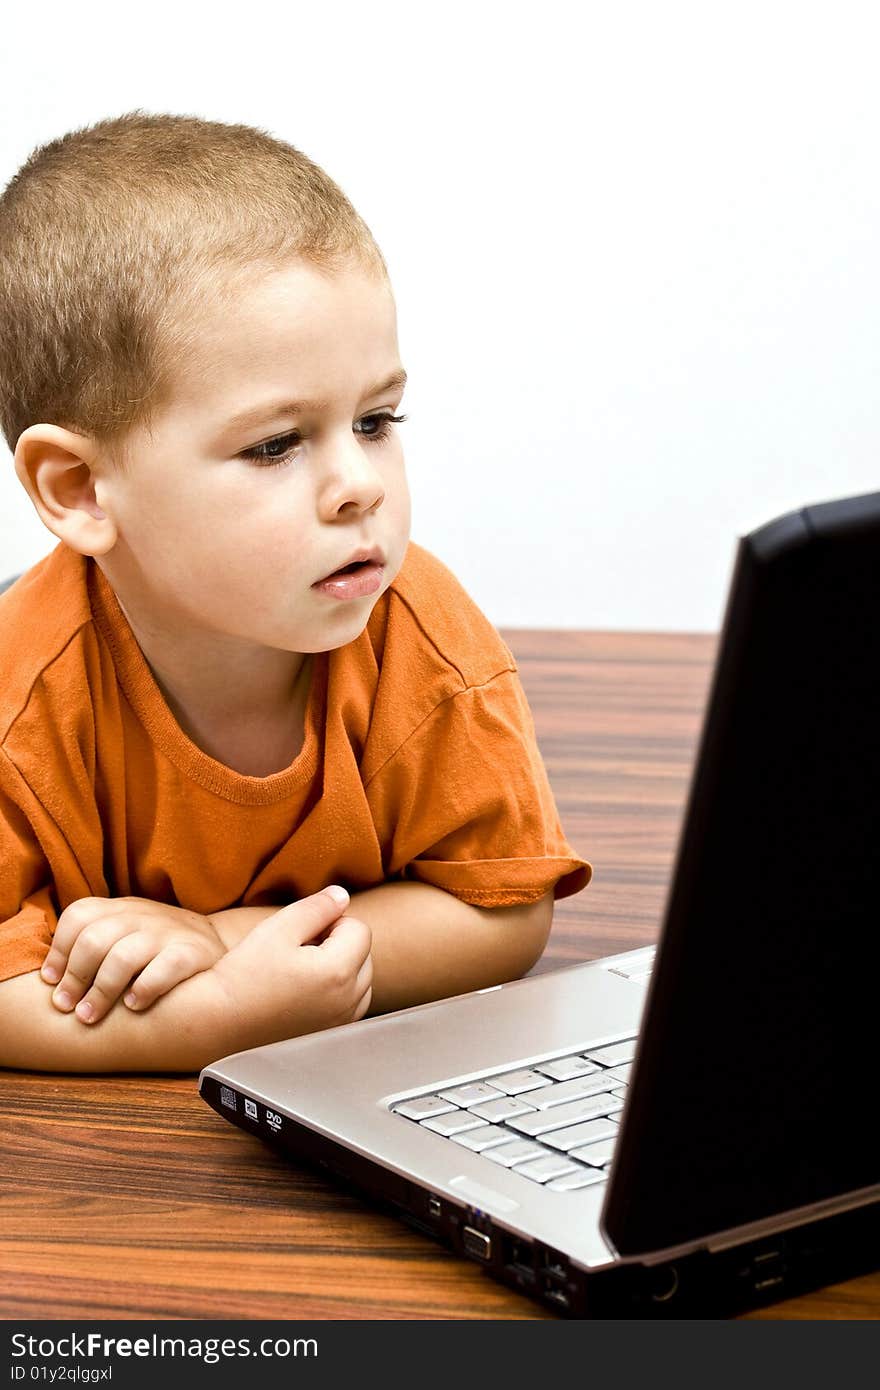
[304, 968]
[107, 947]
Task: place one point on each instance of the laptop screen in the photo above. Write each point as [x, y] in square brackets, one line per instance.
[756, 1067]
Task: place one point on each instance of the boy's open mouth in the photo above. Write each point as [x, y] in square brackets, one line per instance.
[362, 562]
[357, 579]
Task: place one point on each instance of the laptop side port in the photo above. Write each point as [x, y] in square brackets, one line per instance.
[518, 1258]
[664, 1283]
[476, 1243]
[554, 1278]
[553, 1265]
[768, 1270]
[557, 1296]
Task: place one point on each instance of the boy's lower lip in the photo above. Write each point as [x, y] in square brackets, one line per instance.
[366, 580]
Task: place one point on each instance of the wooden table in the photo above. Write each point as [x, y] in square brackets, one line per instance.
[126, 1197]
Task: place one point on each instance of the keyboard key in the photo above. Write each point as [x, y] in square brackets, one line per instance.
[564, 1068]
[597, 1155]
[515, 1152]
[547, 1167]
[570, 1090]
[483, 1138]
[635, 963]
[586, 1177]
[621, 1074]
[452, 1123]
[501, 1109]
[470, 1093]
[612, 1054]
[539, 1121]
[421, 1106]
[513, 1082]
[586, 1133]
[619, 1095]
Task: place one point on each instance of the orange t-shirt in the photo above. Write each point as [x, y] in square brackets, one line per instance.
[419, 762]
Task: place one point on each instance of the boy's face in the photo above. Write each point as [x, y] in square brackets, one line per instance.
[228, 546]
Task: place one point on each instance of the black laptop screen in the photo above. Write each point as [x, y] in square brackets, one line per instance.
[755, 1078]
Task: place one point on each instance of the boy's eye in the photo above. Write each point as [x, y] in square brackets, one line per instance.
[281, 449]
[275, 448]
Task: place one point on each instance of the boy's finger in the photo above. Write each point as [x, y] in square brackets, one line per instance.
[125, 960]
[364, 982]
[162, 973]
[73, 919]
[87, 953]
[310, 916]
[364, 1004]
[53, 966]
[351, 937]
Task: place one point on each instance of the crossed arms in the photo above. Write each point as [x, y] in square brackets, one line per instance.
[260, 974]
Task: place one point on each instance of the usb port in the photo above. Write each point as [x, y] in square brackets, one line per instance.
[554, 1266]
[519, 1260]
[761, 1285]
[518, 1252]
[554, 1295]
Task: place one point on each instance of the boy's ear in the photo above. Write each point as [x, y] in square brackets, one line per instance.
[57, 470]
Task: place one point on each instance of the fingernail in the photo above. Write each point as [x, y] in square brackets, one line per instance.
[62, 1000]
[338, 894]
[50, 974]
[84, 1011]
[131, 999]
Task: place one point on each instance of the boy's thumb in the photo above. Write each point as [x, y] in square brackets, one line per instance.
[309, 917]
[324, 909]
[338, 894]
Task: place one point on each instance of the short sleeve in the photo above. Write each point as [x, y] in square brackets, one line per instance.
[466, 805]
[28, 914]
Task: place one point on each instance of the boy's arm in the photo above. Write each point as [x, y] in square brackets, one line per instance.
[305, 968]
[429, 945]
[426, 943]
[181, 1032]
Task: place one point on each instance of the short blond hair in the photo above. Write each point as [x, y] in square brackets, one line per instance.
[112, 235]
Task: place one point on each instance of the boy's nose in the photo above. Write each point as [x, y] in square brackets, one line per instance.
[352, 481]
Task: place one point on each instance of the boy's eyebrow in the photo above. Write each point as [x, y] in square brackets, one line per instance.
[273, 409]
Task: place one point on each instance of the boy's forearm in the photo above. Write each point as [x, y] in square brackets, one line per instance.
[426, 943]
[233, 923]
[429, 945]
[182, 1031]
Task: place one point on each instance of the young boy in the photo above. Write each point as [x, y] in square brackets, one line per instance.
[264, 765]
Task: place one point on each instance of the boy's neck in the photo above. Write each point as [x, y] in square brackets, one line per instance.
[252, 743]
[244, 699]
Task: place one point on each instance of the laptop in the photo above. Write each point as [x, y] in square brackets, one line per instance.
[680, 1131]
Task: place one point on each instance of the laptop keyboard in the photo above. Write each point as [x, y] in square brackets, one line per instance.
[553, 1121]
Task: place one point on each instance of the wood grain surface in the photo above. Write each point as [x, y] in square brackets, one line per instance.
[126, 1197]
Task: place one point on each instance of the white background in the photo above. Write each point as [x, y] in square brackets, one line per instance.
[634, 248]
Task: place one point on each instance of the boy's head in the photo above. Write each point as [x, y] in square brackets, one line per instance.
[159, 277]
